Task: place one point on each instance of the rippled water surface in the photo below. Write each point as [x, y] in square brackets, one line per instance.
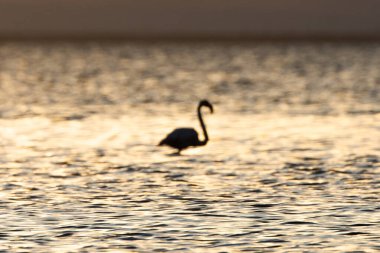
[293, 163]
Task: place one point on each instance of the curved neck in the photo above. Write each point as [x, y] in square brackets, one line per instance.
[204, 142]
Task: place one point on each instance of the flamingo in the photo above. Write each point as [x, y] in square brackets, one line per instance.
[182, 138]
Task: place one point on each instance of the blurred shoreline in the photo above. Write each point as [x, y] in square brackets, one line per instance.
[221, 40]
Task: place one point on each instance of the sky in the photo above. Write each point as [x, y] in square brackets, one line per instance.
[129, 18]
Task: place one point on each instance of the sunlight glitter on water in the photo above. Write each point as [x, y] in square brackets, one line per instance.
[287, 168]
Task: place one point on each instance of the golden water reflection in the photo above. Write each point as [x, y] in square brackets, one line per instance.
[266, 181]
[293, 163]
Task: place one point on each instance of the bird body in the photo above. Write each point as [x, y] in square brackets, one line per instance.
[182, 138]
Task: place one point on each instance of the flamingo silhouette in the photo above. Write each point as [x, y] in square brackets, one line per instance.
[182, 138]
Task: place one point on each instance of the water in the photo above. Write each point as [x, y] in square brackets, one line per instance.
[293, 163]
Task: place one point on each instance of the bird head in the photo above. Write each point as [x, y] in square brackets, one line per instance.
[206, 103]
